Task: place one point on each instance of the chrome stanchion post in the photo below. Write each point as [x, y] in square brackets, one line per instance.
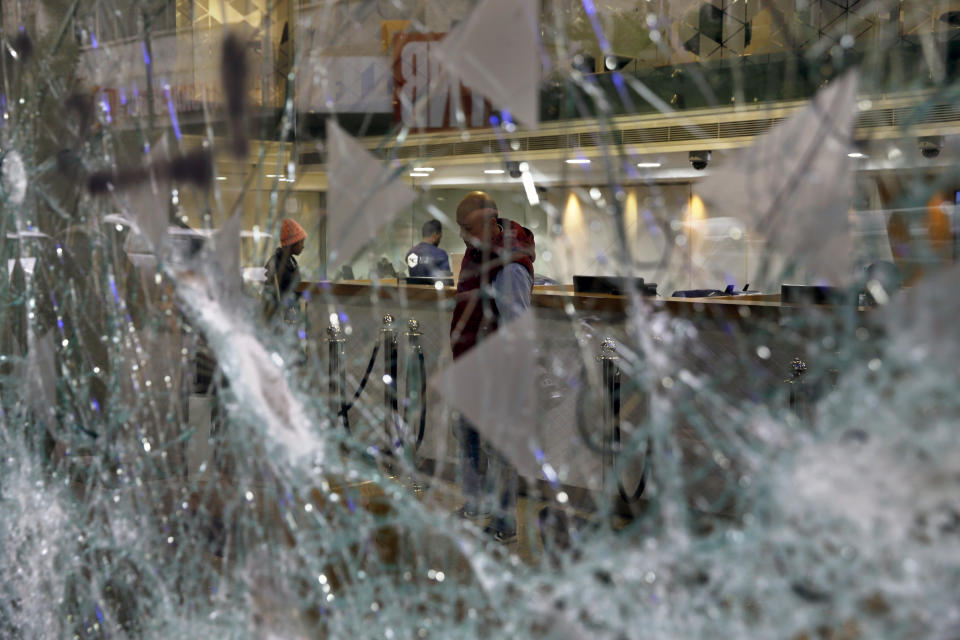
[415, 396]
[413, 337]
[799, 402]
[336, 372]
[414, 352]
[388, 335]
[610, 379]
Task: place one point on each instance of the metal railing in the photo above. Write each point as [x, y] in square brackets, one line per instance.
[416, 365]
[395, 421]
[610, 446]
[337, 380]
[799, 400]
[404, 433]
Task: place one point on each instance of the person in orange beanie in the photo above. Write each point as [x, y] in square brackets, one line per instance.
[282, 270]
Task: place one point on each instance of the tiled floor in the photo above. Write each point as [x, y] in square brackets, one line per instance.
[529, 544]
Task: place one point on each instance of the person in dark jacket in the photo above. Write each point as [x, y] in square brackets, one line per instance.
[427, 259]
[495, 284]
[282, 270]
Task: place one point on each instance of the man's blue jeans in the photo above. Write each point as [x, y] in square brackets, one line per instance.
[487, 478]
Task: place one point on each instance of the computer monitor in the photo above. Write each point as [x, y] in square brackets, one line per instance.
[614, 285]
[811, 294]
[427, 280]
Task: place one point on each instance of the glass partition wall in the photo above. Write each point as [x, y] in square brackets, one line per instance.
[691, 373]
[647, 85]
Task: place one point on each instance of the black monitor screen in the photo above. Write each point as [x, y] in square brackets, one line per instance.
[447, 282]
[614, 285]
[811, 294]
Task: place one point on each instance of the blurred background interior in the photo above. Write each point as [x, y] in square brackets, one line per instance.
[619, 118]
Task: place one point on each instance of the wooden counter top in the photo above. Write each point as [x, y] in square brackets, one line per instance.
[561, 299]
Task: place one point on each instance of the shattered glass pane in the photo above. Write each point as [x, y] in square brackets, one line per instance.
[423, 318]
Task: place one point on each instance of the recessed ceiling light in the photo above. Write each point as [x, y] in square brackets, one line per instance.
[530, 188]
[856, 155]
[221, 177]
[493, 172]
[648, 165]
[425, 169]
[416, 174]
[578, 161]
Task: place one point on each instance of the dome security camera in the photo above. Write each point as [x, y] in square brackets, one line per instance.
[930, 146]
[513, 168]
[699, 159]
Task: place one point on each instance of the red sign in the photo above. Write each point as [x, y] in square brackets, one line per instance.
[424, 95]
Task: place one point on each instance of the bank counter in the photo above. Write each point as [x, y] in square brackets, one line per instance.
[702, 360]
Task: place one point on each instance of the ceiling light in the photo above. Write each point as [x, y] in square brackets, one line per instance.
[221, 177]
[425, 169]
[857, 155]
[578, 161]
[649, 165]
[493, 172]
[531, 189]
[416, 174]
